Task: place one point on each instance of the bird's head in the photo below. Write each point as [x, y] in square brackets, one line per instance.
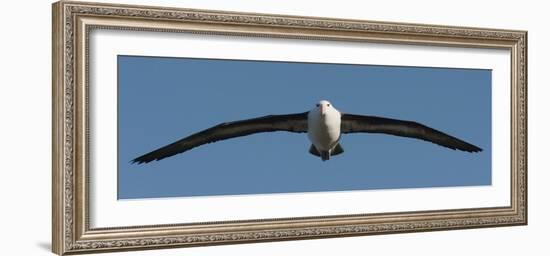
[324, 107]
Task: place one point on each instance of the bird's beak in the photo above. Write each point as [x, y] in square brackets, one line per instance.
[323, 110]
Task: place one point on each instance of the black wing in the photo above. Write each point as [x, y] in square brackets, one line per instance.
[271, 123]
[373, 124]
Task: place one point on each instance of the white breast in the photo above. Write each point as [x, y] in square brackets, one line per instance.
[324, 131]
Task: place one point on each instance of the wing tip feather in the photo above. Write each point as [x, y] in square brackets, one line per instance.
[143, 160]
[470, 148]
[139, 161]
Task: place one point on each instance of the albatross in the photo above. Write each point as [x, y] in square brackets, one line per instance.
[324, 125]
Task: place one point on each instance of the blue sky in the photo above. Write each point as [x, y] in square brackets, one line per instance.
[161, 100]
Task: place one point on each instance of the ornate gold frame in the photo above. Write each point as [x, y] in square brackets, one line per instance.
[72, 22]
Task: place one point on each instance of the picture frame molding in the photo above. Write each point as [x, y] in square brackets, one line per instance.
[72, 23]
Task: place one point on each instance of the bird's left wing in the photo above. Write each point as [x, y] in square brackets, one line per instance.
[373, 124]
[290, 123]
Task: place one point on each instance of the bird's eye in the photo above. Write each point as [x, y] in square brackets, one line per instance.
[317, 105]
[328, 105]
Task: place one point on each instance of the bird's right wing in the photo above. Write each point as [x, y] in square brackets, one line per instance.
[373, 124]
[290, 123]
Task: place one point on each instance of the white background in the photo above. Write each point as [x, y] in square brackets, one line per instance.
[107, 211]
[25, 148]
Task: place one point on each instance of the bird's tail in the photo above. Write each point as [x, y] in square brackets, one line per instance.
[325, 155]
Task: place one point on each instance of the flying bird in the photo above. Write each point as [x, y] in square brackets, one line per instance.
[324, 125]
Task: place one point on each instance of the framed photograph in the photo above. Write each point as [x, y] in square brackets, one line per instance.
[179, 127]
